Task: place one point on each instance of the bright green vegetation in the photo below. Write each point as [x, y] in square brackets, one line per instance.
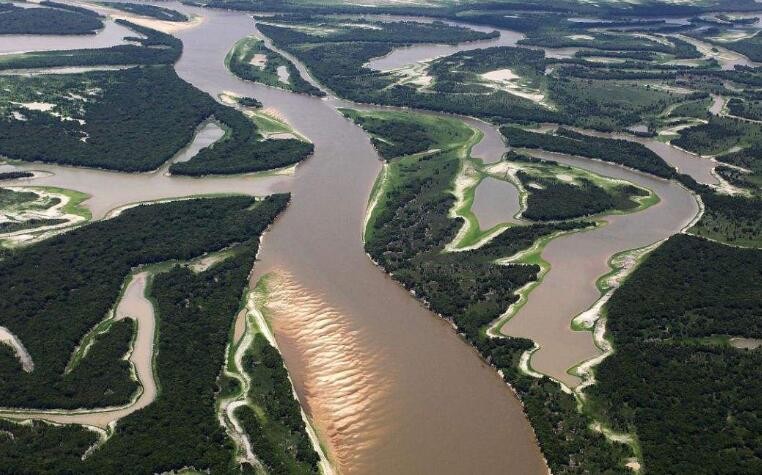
[195, 312]
[160, 13]
[134, 119]
[154, 48]
[407, 235]
[672, 380]
[84, 270]
[551, 198]
[623, 152]
[46, 21]
[273, 419]
[250, 59]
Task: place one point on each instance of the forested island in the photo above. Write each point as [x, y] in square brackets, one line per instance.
[250, 59]
[133, 119]
[160, 13]
[57, 20]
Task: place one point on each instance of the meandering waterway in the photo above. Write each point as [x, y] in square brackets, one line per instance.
[343, 326]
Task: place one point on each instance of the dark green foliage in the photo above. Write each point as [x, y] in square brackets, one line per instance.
[279, 436]
[9, 197]
[749, 158]
[557, 200]
[629, 154]
[407, 239]
[746, 109]
[698, 109]
[242, 151]
[397, 139]
[238, 62]
[606, 41]
[15, 175]
[155, 48]
[142, 118]
[180, 429]
[249, 102]
[84, 269]
[718, 135]
[152, 11]
[733, 219]
[42, 448]
[693, 401]
[195, 311]
[749, 47]
[47, 21]
[405, 32]
[339, 65]
[639, 55]
[71, 8]
[13, 226]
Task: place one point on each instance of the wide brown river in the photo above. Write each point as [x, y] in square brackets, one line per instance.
[389, 386]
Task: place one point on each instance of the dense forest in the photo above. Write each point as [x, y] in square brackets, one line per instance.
[746, 109]
[750, 47]
[718, 135]
[623, 152]
[409, 232]
[71, 8]
[394, 138]
[140, 118]
[552, 199]
[497, 13]
[51, 311]
[160, 13]
[195, 312]
[47, 21]
[693, 400]
[153, 47]
[180, 429]
[240, 58]
[273, 421]
[339, 59]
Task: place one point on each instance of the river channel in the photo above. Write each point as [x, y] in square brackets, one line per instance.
[389, 386]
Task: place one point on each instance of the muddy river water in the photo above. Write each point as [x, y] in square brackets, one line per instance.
[389, 386]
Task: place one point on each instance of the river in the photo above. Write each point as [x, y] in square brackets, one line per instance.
[427, 402]
[390, 387]
[577, 261]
